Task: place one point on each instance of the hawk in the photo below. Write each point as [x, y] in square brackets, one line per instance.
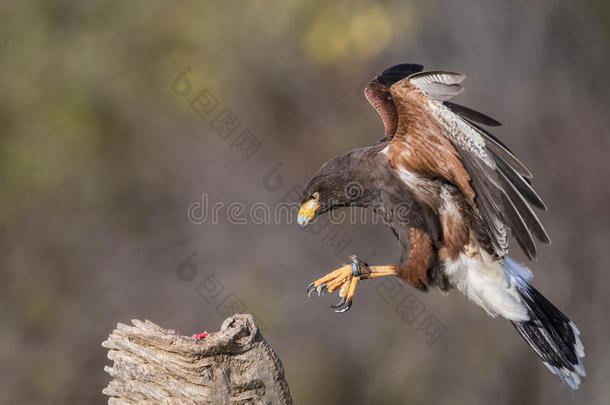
[451, 193]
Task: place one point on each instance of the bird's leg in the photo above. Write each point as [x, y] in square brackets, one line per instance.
[346, 278]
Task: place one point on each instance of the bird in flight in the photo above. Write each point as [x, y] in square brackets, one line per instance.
[451, 193]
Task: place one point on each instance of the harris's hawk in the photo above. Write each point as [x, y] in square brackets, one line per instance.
[451, 193]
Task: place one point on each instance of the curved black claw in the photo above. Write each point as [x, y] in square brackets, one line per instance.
[310, 288]
[338, 304]
[322, 290]
[347, 307]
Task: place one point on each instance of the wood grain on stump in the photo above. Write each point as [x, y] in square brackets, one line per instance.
[235, 366]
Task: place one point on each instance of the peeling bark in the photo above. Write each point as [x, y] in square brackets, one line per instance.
[235, 366]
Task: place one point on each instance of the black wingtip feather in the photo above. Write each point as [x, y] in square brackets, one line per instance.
[521, 183]
[398, 72]
[471, 114]
[501, 149]
[530, 219]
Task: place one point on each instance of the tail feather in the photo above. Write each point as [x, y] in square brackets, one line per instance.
[550, 333]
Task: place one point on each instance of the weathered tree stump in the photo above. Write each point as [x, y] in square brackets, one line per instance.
[234, 366]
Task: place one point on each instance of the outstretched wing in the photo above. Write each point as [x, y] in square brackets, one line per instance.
[436, 139]
[377, 92]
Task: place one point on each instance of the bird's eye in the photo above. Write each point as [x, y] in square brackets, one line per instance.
[315, 196]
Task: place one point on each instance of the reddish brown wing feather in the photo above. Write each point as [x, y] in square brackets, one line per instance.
[380, 98]
[378, 93]
[473, 163]
[419, 145]
[423, 146]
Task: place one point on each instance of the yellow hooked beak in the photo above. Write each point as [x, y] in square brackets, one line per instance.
[308, 210]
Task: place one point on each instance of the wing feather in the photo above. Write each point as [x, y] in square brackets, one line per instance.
[398, 72]
[377, 92]
[497, 207]
[529, 217]
[471, 114]
[436, 76]
[522, 185]
[438, 85]
[431, 133]
[440, 91]
[489, 203]
[379, 97]
[501, 149]
[518, 228]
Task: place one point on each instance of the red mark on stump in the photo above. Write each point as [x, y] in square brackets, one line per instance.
[200, 336]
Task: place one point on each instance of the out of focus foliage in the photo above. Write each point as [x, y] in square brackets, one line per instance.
[99, 160]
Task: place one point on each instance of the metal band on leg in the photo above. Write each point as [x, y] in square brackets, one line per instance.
[355, 269]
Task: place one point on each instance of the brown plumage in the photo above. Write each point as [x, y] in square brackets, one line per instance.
[380, 98]
[419, 144]
[432, 141]
[452, 194]
[421, 256]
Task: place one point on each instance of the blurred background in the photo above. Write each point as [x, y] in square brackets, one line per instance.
[117, 117]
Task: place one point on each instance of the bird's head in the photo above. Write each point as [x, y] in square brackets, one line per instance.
[333, 186]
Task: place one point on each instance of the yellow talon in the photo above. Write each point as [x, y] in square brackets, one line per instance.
[332, 275]
[344, 279]
[333, 285]
[352, 288]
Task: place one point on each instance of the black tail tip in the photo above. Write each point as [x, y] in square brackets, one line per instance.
[561, 353]
[553, 337]
[571, 372]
